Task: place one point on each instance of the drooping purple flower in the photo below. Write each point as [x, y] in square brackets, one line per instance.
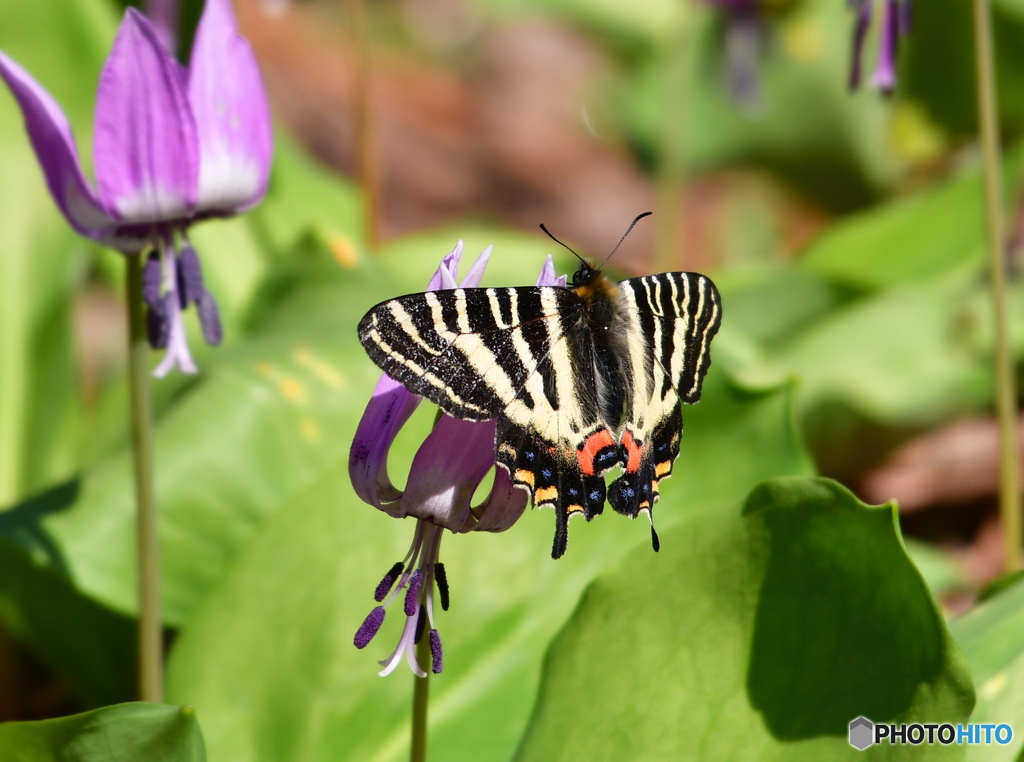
[447, 469]
[744, 38]
[171, 146]
[894, 25]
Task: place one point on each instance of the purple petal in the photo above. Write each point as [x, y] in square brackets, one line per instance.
[145, 148]
[502, 508]
[389, 408]
[231, 113]
[51, 137]
[547, 275]
[476, 272]
[444, 276]
[448, 467]
[165, 16]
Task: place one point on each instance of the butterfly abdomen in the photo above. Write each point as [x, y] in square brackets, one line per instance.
[606, 322]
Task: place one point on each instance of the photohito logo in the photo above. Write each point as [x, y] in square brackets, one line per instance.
[865, 733]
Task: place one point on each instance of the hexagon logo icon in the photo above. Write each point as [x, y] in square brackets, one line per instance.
[862, 733]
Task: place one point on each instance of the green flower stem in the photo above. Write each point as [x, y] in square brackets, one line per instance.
[1006, 393]
[420, 697]
[148, 547]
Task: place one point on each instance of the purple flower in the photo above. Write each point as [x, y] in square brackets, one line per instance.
[744, 38]
[171, 146]
[895, 24]
[447, 469]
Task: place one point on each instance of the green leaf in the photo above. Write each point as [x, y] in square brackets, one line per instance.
[936, 232]
[315, 563]
[757, 634]
[37, 601]
[289, 399]
[909, 355]
[123, 733]
[989, 635]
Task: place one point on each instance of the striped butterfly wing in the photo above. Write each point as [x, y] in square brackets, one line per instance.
[470, 351]
[672, 319]
[523, 355]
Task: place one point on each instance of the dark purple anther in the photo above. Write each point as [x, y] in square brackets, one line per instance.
[388, 582]
[369, 627]
[209, 319]
[190, 277]
[413, 593]
[441, 579]
[152, 277]
[158, 325]
[436, 654]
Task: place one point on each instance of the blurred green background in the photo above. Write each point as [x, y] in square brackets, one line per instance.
[846, 234]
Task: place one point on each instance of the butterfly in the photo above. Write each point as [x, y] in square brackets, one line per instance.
[581, 379]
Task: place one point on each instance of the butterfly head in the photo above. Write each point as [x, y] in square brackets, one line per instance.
[585, 275]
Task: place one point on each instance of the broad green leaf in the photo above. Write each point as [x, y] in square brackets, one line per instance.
[307, 578]
[990, 636]
[772, 305]
[930, 234]
[89, 645]
[911, 354]
[760, 633]
[122, 733]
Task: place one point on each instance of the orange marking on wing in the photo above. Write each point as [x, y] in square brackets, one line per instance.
[592, 445]
[545, 494]
[663, 469]
[632, 452]
[574, 509]
[524, 477]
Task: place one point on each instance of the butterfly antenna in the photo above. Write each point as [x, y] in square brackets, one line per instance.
[548, 232]
[628, 231]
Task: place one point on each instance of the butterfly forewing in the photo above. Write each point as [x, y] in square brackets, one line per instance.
[470, 351]
[529, 357]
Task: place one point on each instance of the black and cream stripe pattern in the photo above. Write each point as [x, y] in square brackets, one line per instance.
[581, 379]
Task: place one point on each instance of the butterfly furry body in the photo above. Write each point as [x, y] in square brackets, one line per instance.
[580, 379]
